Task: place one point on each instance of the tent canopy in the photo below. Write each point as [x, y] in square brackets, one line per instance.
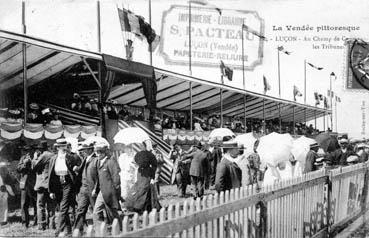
[44, 59]
[173, 93]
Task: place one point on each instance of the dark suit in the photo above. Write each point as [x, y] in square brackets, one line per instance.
[338, 157]
[310, 161]
[228, 175]
[198, 171]
[88, 174]
[110, 191]
[27, 182]
[41, 168]
[216, 156]
[181, 171]
[64, 189]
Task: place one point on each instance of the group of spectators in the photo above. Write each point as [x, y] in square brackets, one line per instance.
[85, 105]
[62, 185]
[35, 114]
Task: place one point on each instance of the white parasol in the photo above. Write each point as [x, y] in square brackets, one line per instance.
[73, 142]
[275, 148]
[131, 135]
[95, 140]
[247, 140]
[300, 148]
[219, 133]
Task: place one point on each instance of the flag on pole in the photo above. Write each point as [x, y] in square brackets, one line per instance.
[281, 49]
[296, 92]
[206, 3]
[320, 97]
[325, 102]
[252, 31]
[266, 84]
[317, 100]
[338, 99]
[130, 22]
[330, 93]
[226, 71]
[315, 67]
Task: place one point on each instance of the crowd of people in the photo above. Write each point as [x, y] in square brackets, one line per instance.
[35, 114]
[56, 180]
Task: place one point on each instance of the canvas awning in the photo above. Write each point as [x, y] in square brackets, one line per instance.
[44, 59]
[173, 93]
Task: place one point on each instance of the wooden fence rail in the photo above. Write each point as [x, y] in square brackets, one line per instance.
[318, 204]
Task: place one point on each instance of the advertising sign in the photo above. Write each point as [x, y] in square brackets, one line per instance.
[215, 36]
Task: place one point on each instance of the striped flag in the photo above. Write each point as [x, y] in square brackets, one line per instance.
[130, 22]
[281, 49]
[338, 99]
[330, 93]
[315, 67]
[317, 100]
[326, 103]
[226, 71]
[296, 92]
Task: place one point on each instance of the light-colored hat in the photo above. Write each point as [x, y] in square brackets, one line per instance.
[46, 110]
[34, 106]
[231, 144]
[61, 142]
[343, 140]
[101, 145]
[84, 146]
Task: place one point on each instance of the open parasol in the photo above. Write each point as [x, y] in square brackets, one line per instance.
[219, 133]
[275, 148]
[327, 142]
[131, 135]
[300, 148]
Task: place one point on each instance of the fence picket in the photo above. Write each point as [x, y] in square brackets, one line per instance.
[294, 208]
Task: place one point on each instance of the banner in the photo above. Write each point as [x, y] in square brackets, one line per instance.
[214, 37]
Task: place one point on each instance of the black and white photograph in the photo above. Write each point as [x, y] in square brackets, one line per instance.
[184, 118]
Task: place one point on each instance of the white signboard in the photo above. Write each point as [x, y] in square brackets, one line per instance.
[215, 36]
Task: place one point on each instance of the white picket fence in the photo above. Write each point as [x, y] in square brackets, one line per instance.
[314, 205]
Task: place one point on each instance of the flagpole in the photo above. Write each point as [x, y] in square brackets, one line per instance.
[293, 109]
[24, 54]
[189, 38]
[221, 102]
[245, 111]
[99, 75]
[191, 126]
[330, 95]
[243, 72]
[150, 45]
[335, 103]
[279, 74]
[280, 119]
[305, 81]
[264, 116]
[315, 117]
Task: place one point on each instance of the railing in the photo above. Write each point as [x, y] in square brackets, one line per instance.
[72, 117]
[317, 204]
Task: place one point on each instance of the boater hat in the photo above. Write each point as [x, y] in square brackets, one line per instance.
[231, 144]
[61, 142]
[314, 145]
[85, 146]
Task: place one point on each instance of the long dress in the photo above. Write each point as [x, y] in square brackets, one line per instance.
[142, 197]
[128, 173]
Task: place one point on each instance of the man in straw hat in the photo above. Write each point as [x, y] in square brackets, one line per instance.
[311, 157]
[26, 183]
[62, 182]
[109, 185]
[45, 205]
[228, 174]
[87, 173]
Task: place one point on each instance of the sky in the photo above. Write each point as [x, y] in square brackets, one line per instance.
[308, 29]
